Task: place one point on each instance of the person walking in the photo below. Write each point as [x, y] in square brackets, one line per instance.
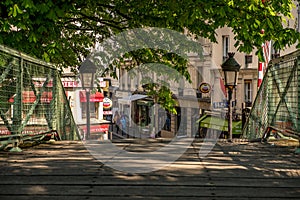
[123, 121]
[117, 121]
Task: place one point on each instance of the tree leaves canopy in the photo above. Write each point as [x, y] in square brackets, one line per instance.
[63, 31]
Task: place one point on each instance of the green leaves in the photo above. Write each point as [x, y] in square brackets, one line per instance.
[63, 31]
[14, 10]
[75, 25]
[28, 4]
[32, 38]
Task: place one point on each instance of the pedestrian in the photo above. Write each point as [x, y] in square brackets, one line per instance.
[123, 123]
[117, 121]
[168, 123]
[143, 121]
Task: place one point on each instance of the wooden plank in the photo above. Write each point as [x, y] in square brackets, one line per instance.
[151, 191]
[68, 171]
[50, 197]
[151, 180]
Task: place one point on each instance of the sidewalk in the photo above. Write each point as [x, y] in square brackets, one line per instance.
[66, 170]
[143, 133]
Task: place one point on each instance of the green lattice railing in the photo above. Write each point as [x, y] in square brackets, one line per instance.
[32, 98]
[277, 104]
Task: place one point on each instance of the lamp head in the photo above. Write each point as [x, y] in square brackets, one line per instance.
[87, 72]
[231, 69]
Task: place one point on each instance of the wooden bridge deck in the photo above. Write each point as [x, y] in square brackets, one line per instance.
[66, 170]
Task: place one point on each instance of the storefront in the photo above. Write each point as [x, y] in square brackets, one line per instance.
[98, 107]
[128, 106]
[183, 123]
[143, 112]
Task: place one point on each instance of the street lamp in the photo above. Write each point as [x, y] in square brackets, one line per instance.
[231, 70]
[87, 72]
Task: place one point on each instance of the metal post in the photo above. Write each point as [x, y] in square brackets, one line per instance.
[88, 120]
[17, 109]
[230, 114]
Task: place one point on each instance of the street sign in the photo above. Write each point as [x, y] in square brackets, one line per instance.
[223, 104]
[219, 104]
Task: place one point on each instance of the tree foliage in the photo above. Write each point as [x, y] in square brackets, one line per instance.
[61, 30]
[64, 31]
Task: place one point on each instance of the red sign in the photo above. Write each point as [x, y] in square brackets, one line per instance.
[29, 97]
[41, 83]
[4, 131]
[70, 83]
[101, 128]
[31, 130]
[97, 97]
[107, 112]
[67, 82]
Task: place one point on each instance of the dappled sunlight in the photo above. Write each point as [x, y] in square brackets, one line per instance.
[251, 170]
[227, 167]
[37, 189]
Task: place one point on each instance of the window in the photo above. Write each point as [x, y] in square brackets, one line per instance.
[248, 91]
[275, 53]
[129, 81]
[122, 77]
[225, 43]
[93, 109]
[248, 61]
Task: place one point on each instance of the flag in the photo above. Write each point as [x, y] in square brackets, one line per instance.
[262, 66]
[223, 87]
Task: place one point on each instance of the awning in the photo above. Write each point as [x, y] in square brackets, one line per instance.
[96, 97]
[220, 124]
[29, 97]
[129, 99]
[113, 88]
[144, 103]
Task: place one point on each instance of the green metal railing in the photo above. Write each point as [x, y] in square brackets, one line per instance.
[277, 104]
[32, 99]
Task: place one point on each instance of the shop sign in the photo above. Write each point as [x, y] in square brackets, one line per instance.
[102, 128]
[107, 112]
[220, 104]
[30, 97]
[204, 88]
[102, 82]
[107, 103]
[70, 84]
[223, 104]
[31, 130]
[67, 82]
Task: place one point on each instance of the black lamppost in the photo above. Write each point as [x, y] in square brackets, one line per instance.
[231, 70]
[87, 72]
